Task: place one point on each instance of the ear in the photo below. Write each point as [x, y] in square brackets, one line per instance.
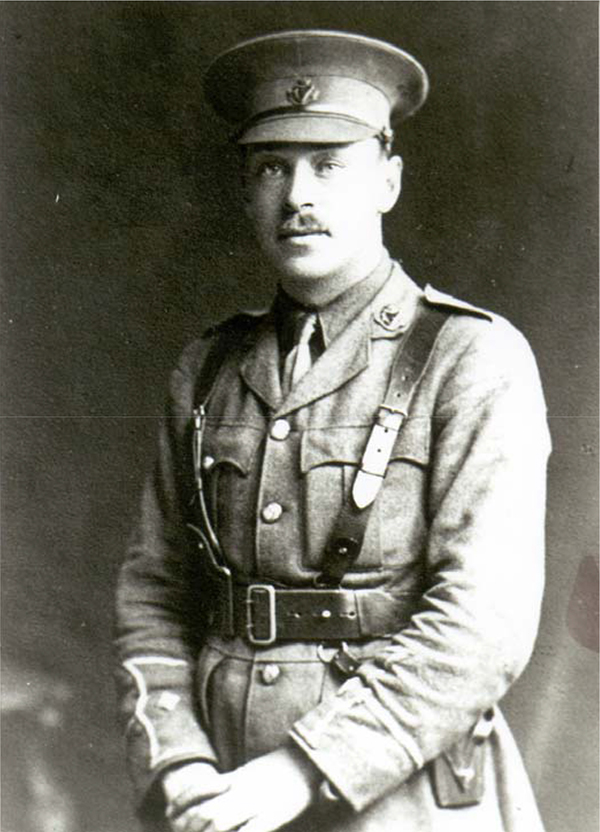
[245, 193]
[391, 184]
[244, 179]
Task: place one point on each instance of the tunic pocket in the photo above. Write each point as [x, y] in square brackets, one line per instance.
[329, 461]
[230, 474]
[207, 664]
[403, 497]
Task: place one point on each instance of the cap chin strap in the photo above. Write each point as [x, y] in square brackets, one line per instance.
[384, 134]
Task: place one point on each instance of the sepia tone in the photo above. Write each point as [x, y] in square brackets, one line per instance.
[123, 238]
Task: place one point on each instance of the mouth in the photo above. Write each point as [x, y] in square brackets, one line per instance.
[295, 233]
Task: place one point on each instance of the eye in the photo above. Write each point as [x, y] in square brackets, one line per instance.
[328, 166]
[269, 169]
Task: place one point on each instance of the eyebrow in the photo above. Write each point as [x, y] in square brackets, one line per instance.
[277, 147]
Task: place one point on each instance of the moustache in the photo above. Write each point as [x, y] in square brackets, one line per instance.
[303, 224]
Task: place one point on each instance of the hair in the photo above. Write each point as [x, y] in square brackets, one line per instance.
[385, 139]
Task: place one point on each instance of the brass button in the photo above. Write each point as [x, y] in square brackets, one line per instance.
[208, 462]
[280, 429]
[272, 512]
[270, 674]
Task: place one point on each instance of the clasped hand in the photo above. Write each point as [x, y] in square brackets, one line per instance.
[260, 796]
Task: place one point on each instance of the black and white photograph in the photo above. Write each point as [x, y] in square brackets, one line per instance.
[299, 450]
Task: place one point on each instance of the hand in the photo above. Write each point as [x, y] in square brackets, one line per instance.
[185, 787]
[261, 796]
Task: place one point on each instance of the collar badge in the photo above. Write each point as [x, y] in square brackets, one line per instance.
[302, 93]
[390, 317]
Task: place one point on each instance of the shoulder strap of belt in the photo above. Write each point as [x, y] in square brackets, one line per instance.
[346, 539]
[228, 337]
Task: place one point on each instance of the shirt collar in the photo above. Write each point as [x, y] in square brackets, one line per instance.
[336, 316]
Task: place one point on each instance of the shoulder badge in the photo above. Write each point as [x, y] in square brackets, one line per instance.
[437, 298]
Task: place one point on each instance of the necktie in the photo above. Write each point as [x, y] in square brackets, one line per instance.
[298, 360]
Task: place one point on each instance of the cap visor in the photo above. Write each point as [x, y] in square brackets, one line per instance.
[306, 128]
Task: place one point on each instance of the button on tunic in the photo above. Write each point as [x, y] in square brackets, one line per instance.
[280, 430]
[270, 674]
[272, 512]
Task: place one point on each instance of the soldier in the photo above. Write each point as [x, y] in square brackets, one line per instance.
[338, 566]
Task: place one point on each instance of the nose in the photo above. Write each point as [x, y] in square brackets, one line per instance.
[300, 192]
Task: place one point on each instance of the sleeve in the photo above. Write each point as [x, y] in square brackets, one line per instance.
[477, 621]
[159, 613]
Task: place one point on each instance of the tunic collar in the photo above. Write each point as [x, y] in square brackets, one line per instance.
[335, 317]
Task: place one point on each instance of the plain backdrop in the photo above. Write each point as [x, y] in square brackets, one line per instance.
[123, 238]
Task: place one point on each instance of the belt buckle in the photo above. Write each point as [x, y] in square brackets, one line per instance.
[268, 591]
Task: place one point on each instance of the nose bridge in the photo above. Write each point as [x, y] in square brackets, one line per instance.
[301, 184]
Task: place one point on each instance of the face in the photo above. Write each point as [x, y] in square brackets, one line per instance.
[316, 209]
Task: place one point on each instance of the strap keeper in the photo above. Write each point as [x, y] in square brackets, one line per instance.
[340, 554]
[344, 662]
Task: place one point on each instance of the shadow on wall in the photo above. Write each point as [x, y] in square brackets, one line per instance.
[35, 794]
[47, 784]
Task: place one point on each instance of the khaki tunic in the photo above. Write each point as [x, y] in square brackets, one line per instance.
[456, 537]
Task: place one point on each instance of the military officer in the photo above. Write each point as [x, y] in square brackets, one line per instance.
[338, 566]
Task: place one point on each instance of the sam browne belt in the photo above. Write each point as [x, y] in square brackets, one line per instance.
[263, 614]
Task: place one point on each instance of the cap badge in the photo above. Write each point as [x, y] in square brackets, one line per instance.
[302, 93]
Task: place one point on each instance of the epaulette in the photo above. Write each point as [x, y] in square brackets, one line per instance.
[230, 336]
[241, 323]
[437, 298]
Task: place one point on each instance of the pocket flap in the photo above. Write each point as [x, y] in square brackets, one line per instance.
[346, 445]
[327, 446]
[414, 440]
[232, 444]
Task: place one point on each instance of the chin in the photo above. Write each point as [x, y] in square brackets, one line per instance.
[306, 268]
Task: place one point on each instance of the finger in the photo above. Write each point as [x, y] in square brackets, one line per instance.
[260, 823]
[192, 821]
[184, 823]
[192, 797]
[228, 811]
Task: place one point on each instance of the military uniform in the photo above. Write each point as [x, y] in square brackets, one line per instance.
[406, 733]
[456, 539]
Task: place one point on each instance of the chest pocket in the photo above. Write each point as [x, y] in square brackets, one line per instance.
[329, 460]
[231, 443]
[230, 473]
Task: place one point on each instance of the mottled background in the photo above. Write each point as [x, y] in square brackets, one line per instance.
[122, 238]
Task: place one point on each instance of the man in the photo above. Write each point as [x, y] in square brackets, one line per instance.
[338, 567]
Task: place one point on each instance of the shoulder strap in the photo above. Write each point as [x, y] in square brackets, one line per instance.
[346, 539]
[226, 337]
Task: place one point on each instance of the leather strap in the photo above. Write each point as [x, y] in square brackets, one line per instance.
[228, 338]
[346, 540]
[263, 614]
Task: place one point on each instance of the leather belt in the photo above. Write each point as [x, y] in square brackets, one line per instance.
[263, 614]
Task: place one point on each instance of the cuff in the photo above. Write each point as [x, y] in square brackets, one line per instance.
[163, 730]
[358, 747]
